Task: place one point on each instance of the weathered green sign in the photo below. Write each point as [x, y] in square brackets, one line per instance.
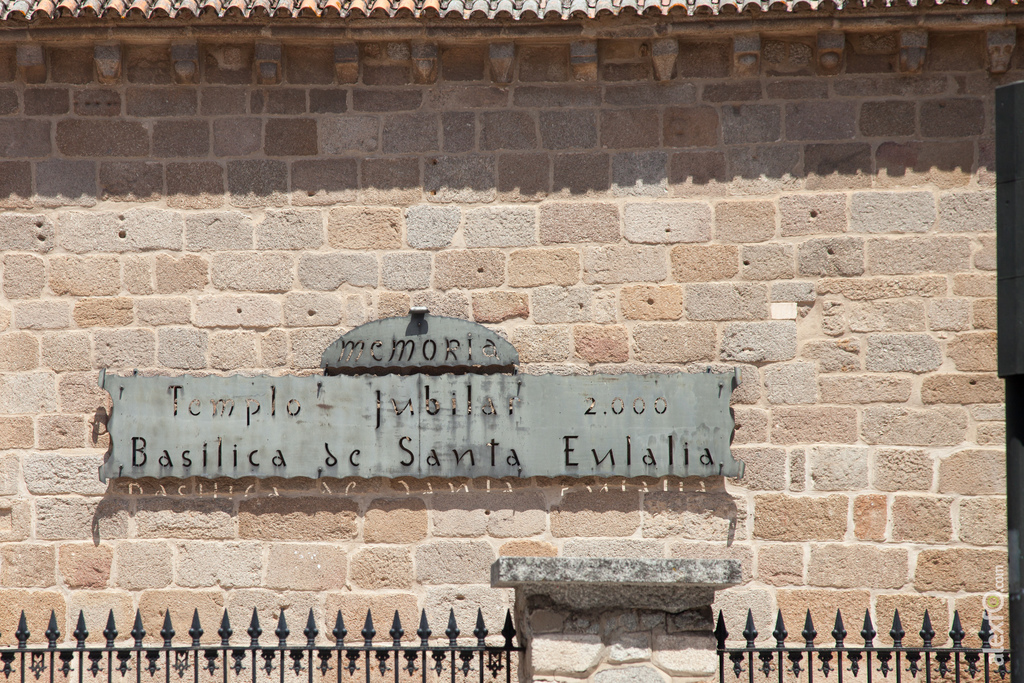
[427, 423]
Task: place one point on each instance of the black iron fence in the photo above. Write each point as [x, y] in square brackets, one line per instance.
[439, 660]
[798, 663]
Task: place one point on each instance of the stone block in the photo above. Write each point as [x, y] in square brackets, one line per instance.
[182, 604]
[601, 344]
[27, 232]
[814, 424]
[667, 223]
[973, 472]
[339, 135]
[496, 307]
[469, 269]
[744, 221]
[693, 263]
[24, 276]
[27, 565]
[967, 211]
[870, 516]
[310, 309]
[543, 344]
[768, 261]
[236, 311]
[639, 174]
[195, 185]
[42, 315]
[838, 468]
[831, 257]
[752, 342]
[561, 304]
[306, 566]
[902, 353]
[19, 351]
[182, 347]
[674, 342]
[812, 214]
[431, 227]
[904, 426]
[898, 469]
[185, 274]
[575, 223]
[202, 564]
[194, 519]
[780, 564]
[727, 301]
[257, 182]
[457, 179]
[535, 267]
[957, 569]
[329, 271]
[62, 431]
[169, 311]
[15, 432]
[249, 272]
[377, 568]
[84, 565]
[458, 562]
[864, 389]
[320, 182]
[652, 302]
[892, 212]
[49, 473]
[921, 519]
[233, 350]
[961, 388]
[624, 263]
[569, 653]
[27, 138]
[104, 311]
[290, 229]
[37, 605]
[973, 351]
[143, 564]
[510, 226]
[298, 519]
[887, 316]
[979, 521]
[33, 392]
[395, 521]
[66, 518]
[909, 255]
[765, 467]
[834, 565]
[789, 383]
[779, 517]
[365, 228]
[685, 654]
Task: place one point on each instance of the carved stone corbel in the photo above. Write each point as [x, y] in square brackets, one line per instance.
[1001, 44]
[268, 63]
[424, 62]
[746, 54]
[185, 61]
[107, 59]
[830, 52]
[664, 52]
[502, 60]
[913, 49]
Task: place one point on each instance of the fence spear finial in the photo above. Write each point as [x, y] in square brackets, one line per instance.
[339, 631]
[52, 632]
[956, 632]
[985, 634]
[508, 631]
[481, 630]
[311, 631]
[167, 632]
[225, 629]
[81, 633]
[282, 630]
[897, 632]
[110, 632]
[396, 630]
[809, 633]
[453, 630]
[749, 632]
[721, 633]
[867, 632]
[780, 632]
[839, 630]
[195, 630]
[138, 633]
[254, 629]
[927, 632]
[22, 633]
[368, 630]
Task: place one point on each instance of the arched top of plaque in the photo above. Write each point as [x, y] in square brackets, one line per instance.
[419, 343]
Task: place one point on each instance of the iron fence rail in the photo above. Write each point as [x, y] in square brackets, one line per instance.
[796, 664]
[342, 661]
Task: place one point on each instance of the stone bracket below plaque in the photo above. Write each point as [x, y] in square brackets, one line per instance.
[612, 620]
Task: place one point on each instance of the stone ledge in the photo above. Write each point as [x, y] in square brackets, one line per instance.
[511, 572]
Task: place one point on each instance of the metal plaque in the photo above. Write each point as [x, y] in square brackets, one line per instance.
[420, 343]
[421, 425]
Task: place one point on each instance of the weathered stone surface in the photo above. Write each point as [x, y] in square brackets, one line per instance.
[330, 271]
[49, 473]
[864, 388]
[773, 340]
[674, 342]
[842, 566]
[880, 212]
[902, 353]
[364, 228]
[500, 226]
[921, 519]
[648, 223]
[535, 267]
[303, 519]
[898, 469]
[306, 566]
[84, 565]
[903, 426]
[202, 564]
[726, 301]
[973, 472]
[561, 654]
[779, 517]
[395, 521]
[454, 562]
[957, 569]
[622, 263]
[614, 514]
[431, 227]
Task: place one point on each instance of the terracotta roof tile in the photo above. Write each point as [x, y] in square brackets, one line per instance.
[465, 9]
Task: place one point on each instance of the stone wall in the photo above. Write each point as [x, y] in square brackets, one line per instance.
[830, 234]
